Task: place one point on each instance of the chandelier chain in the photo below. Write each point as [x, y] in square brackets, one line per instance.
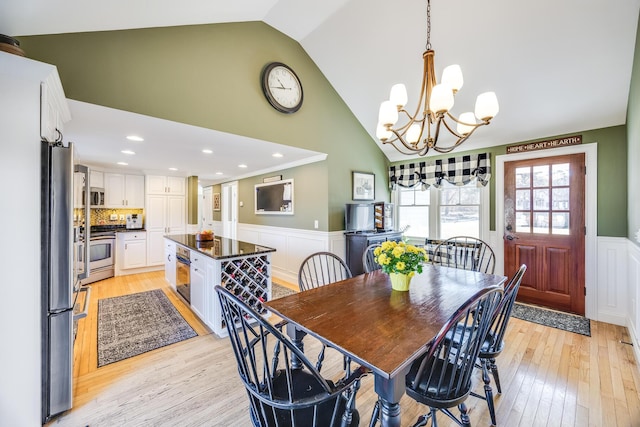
[428, 24]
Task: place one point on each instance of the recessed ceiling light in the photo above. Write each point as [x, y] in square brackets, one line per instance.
[277, 155]
[123, 163]
[173, 169]
[135, 138]
[207, 151]
[242, 166]
[128, 152]
[218, 173]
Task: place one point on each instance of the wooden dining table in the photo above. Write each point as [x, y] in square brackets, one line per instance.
[380, 328]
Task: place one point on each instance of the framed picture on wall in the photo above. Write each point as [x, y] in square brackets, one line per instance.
[364, 186]
[216, 201]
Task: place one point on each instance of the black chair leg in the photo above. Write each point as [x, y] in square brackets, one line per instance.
[494, 371]
[375, 414]
[422, 420]
[488, 391]
[464, 417]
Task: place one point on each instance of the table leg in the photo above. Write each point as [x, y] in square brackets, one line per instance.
[389, 391]
[296, 336]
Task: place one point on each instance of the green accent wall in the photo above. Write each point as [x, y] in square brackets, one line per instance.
[633, 147]
[209, 76]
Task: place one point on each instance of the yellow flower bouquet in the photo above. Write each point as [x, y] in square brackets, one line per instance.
[399, 257]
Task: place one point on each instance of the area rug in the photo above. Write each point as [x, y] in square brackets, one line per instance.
[279, 291]
[130, 325]
[568, 322]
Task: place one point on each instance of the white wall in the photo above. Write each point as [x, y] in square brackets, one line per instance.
[20, 251]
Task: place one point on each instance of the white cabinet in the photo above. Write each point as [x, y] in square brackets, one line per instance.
[124, 191]
[198, 285]
[96, 179]
[170, 262]
[158, 184]
[164, 214]
[132, 250]
[54, 111]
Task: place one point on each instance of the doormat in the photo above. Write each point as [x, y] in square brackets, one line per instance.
[279, 291]
[130, 325]
[565, 321]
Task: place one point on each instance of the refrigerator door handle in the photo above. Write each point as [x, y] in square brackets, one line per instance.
[85, 308]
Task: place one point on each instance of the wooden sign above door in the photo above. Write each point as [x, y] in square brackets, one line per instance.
[543, 145]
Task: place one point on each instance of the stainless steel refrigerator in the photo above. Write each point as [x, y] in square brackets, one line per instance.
[63, 256]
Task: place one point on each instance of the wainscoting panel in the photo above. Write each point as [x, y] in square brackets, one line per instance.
[612, 288]
[292, 246]
[633, 276]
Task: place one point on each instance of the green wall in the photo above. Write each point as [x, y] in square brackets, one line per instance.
[633, 147]
[209, 76]
[612, 176]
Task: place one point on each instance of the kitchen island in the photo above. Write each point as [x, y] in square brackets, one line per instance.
[194, 268]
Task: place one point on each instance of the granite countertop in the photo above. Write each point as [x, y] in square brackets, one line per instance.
[219, 247]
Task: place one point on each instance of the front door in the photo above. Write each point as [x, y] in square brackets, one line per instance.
[544, 219]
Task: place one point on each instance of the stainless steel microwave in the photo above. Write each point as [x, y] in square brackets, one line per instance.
[97, 197]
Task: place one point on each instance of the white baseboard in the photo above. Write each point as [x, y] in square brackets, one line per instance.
[139, 270]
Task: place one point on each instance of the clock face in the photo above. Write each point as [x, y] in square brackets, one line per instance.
[282, 87]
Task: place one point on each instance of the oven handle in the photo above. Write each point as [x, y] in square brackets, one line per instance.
[183, 260]
[85, 309]
[95, 238]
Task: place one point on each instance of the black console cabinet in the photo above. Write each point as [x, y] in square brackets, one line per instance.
[358, 242]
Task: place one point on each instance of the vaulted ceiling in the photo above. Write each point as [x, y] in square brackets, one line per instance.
[557, 67]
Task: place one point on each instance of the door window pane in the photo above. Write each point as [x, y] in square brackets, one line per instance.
[560, 174]
[523, 224]
[560, 224]
[523, 177]
[541, 199]
[560, 199]
[541, 222]
[541, 176]
[523, 201]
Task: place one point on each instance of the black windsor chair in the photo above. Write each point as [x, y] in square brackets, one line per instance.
[468, 253]
[441, 378]
[321, 268]
[494, 341]
[282, 392]
[369, 259]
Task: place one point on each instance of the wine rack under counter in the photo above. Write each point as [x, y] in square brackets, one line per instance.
[241, 267]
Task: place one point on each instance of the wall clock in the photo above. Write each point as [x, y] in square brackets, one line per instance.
[282, 87]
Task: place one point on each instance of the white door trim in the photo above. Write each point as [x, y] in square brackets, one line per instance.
[591, 208]
[230, 209]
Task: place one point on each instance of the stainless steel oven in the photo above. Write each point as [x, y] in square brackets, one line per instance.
[102, 248]
[183, 272]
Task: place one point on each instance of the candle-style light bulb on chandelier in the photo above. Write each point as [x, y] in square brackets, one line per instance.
[436, 100]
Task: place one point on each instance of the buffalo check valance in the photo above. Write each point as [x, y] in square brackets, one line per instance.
[459, 170]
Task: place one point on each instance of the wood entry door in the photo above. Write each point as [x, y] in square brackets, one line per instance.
[544, 204]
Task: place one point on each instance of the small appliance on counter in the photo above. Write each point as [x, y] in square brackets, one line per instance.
[134, 221]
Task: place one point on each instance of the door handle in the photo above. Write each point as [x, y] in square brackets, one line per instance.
[510, 237]
[85, 309]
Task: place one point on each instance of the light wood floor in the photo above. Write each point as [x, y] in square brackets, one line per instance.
[550, 377]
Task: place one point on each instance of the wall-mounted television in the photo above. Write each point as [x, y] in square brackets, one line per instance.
[274, 198]
[359, 217]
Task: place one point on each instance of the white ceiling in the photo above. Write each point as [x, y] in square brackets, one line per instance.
[556, 66]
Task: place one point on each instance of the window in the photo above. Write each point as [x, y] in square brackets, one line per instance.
[442, 213]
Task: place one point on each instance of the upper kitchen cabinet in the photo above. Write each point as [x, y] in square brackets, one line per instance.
[96, 178]
[157, 184]
[124, 191]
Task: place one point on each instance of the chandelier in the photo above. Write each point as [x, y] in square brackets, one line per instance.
[421, 131]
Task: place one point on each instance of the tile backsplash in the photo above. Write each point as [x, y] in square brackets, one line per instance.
[103, 216]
